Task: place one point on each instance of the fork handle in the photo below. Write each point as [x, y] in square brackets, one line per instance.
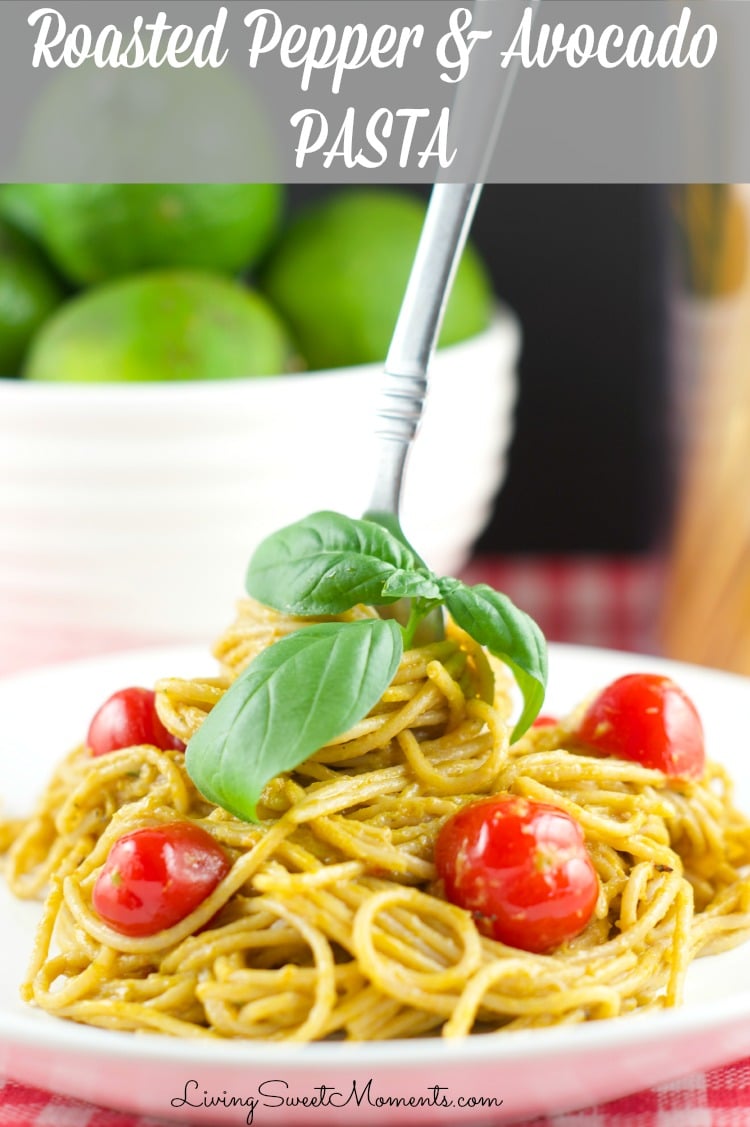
[404, 386]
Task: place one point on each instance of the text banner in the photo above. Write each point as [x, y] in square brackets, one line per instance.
[554, 91]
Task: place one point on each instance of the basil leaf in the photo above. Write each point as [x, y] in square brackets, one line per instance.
[326, 564]
[411, 585]
[391, 522]
[495, 622]
[301, 692]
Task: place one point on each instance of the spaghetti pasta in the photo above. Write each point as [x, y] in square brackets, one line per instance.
[330, 920]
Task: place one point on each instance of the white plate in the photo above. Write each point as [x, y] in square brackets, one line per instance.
[532, 1072]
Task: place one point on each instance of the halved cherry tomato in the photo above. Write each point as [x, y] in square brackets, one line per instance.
[649, 719]
[156, 876]
[521, 868]
[129, 718]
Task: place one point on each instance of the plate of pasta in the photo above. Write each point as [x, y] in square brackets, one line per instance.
[349, 945]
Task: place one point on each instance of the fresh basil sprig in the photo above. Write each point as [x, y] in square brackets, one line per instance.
[305, 690]
[327, 563]
[313, 685]
[491, 619]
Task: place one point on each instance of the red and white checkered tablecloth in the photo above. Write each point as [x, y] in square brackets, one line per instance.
[720, 1098]
[587, 600]
[590, 601]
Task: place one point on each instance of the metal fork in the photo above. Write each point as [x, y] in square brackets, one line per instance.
[444, 233]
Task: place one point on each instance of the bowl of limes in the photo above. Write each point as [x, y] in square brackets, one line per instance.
[184, 368]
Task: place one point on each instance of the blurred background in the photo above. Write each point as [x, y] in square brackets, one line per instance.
[623, 518]
[587, 270]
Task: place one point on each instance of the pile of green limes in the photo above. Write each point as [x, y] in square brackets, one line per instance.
[143, 282]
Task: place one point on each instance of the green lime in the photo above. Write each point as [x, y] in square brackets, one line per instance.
[339, 273]
[94, 232]
[20, 204]
[163, 325]
[28, 294]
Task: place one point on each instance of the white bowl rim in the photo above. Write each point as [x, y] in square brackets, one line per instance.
[503, 326]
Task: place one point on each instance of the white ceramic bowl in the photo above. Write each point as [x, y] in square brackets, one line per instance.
[128, 512]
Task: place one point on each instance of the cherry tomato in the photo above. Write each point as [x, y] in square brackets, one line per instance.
[521, 868]
[156, 876]
[647, 718]
[545, 722]
[127, 719]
